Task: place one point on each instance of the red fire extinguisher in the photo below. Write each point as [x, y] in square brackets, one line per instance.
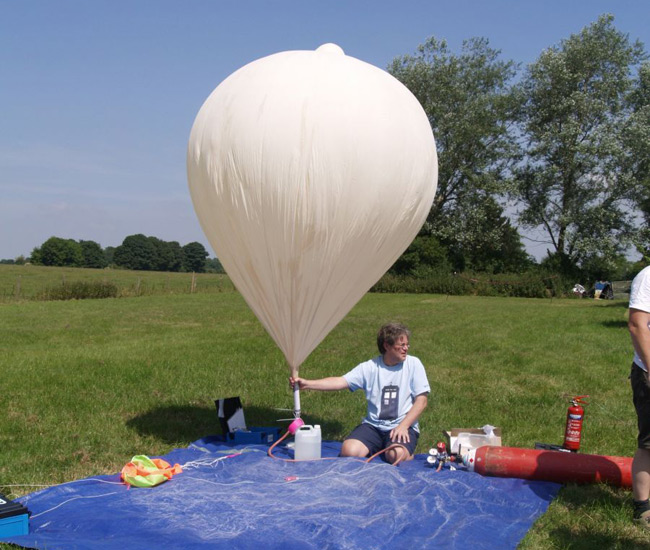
[574, 417]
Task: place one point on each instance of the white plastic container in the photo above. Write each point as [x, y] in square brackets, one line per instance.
[308, 443]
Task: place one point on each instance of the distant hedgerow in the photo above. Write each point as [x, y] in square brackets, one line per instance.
[528, 285]
[80, 290]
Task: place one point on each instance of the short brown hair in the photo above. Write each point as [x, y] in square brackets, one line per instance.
[389, 333]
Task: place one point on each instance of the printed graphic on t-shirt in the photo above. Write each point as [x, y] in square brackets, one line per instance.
[389, 401]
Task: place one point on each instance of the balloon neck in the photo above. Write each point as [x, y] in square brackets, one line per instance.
[296, 391]
[296, 401]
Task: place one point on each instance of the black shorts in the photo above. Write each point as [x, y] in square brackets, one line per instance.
[377, 440]
[641, 398]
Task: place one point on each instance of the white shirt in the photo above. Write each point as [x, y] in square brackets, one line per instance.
[390, 390]
[640, 299]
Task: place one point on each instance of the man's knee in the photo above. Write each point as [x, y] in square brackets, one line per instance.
[354, 447]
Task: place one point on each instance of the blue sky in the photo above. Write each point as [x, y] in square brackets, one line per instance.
[97, 98]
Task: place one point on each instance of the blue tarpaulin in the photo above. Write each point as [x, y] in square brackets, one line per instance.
[237, 497]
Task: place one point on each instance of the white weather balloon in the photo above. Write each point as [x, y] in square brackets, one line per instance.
[310, 173]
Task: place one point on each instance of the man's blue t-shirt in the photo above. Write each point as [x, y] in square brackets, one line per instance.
[390, 391]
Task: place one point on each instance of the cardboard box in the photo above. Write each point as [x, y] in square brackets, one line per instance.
[477, 438]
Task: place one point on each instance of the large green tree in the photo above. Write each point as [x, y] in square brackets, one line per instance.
[490, 242]
[637, 142]
[169, 255]
[194, 257]
[58, 252]
[93, 255]
[424, 257]
[574, 183]
[136, 252]
[469, 101]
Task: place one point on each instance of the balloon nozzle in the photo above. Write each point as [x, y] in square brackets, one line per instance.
[295, 425]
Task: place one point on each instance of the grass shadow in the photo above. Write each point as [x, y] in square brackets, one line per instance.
[615, 324]
[619, 302]
[178, 424]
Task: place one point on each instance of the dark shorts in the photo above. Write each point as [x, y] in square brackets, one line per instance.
[641, 398]
[377, 440]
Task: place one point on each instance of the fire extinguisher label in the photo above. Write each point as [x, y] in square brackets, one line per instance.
[573, 431]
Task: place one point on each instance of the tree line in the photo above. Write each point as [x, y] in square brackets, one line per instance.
[559, 148]
[137, 252]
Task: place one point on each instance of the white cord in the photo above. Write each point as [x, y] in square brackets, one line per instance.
[211, 462]
[70, 500]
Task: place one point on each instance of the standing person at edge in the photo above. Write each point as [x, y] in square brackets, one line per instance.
[396, 389]
[639, 325]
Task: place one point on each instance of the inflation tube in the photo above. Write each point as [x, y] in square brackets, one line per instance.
[555, 466]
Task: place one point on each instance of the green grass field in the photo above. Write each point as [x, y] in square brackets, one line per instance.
[86, 384]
